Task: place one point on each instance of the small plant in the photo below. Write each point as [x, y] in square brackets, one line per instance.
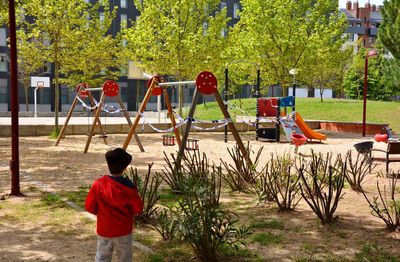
[240, 175]
[386, 207]
[166, 224]
[205, 227]
[357, 169]
[323, 181]
[280, 183]
[148, 190]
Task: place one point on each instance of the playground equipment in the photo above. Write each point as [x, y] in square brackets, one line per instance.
[298, 140]
[271, 107]
[110, 89]
[206, 84]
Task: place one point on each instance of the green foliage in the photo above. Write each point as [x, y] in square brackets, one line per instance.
[279, 34]
[389, 30]
[197, 218]
[148, 190]
[179, 38]
[372, 252]
[380, 85]
[266, 239]
[323, 179]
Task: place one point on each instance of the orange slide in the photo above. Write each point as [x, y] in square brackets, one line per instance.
[307, 131]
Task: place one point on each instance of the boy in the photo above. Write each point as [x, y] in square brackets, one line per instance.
[115, 201]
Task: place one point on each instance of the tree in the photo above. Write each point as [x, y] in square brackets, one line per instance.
[389, 30]
[354, 80]
[29, 60]
[326, 68]
[93, 56]
[3, 12]
[178, 37]
[60, 25]
[278, 33]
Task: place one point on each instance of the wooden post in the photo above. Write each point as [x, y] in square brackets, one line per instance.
[138, 115]
[135, 136]
[96, 117]
[171, 116]
[93, 104]
[71, 109]
[182, 146]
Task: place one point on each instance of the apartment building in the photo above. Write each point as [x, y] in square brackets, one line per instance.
[363, 23]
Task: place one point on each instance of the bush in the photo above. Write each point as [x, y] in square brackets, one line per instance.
[148, 190]
[323, 180]
[384, 207]
[197, 218]
[240, 176]
[279, 183]
[358, 169]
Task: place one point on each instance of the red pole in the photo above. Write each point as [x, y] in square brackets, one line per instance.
[14, 163]
[365, 94]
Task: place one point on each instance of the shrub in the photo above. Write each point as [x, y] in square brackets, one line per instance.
[357, 169]
[322, 184]
[166, 224]
[279, 183]
[240, 175]
[386, 207]
[148, 190]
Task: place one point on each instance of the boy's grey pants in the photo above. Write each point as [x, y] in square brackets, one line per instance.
[123, 246]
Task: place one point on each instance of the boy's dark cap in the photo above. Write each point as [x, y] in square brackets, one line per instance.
[117, 160]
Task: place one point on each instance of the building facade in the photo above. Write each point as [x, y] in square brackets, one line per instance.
[363, 23]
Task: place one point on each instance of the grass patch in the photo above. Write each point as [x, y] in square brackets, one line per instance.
[311, 108]
[266, 239]
[272, 224]
[371, 252]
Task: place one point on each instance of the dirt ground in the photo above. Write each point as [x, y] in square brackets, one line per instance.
[45, 167]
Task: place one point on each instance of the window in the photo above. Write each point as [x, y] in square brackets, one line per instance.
[3, 91]
[223, 32]
[3, 38]
[205, 27]
[3, 63]
[123, 3]
[47, 67]
[358, 25]
[223, 5]
[370, 39]
[124, 20]
[101, 17]
[235, 10]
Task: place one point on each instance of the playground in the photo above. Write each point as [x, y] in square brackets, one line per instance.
[42, 227]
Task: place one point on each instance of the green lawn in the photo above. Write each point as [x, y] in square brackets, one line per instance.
[313, 109]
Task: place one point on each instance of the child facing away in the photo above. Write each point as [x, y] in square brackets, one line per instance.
[115, 201]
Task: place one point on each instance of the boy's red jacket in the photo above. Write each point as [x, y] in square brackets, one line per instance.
[115, 205]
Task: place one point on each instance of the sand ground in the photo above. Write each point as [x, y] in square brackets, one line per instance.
[66, 167]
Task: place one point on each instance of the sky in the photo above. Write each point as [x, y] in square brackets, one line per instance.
[342, 3]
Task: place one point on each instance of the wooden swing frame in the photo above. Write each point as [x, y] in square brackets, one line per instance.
[96, 120]
[197, 93]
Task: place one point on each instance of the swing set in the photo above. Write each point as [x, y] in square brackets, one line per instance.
[206, 84]
[109, 89]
